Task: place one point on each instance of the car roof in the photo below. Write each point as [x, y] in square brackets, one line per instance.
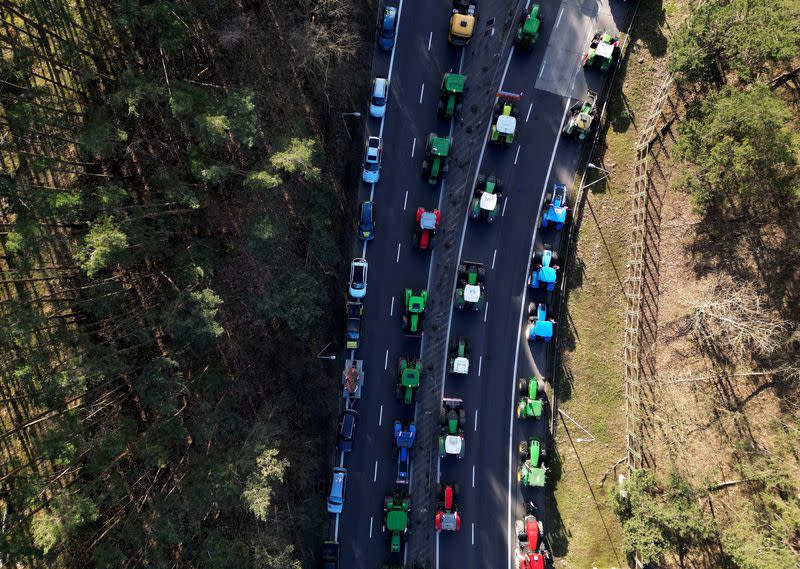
[381, 83]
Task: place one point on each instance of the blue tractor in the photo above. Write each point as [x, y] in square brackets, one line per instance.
[556, 207]
[540, 328]
[545, 270]
[403, 441]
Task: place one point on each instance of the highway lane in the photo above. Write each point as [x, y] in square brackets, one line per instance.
[537, 158]
[421, 57]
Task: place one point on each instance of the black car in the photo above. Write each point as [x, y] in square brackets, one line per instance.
[366, 224]
[330, 555]
[347, 431]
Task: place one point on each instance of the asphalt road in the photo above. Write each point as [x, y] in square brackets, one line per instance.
[547, 77]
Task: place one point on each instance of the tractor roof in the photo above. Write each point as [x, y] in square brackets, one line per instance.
[605, 49]
[427, 220]
[472, 293]
[532, 24]
[543, 328]
[449, 521]
[547, 274]
[462, 25]
[440, 146]
[396, 518]
[583, 120]
[506, 124]
[488, 201]
[453, 444]
[454, 82]
[410, 377]
[461, 365]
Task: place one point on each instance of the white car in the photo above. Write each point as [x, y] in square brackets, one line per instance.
[371, 171]
[358, 278]
[380, 96]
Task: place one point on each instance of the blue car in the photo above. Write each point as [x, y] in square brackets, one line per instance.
[545, 270]
[404, 440]
[556, 207]
[540, 329]
[388, 29]
[336, 495]
[366, 222]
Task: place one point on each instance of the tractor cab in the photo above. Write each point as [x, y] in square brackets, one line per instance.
[415, 307]
[453, 87]
[505, 120]
[410, 370]
[485, 204]
[528, 28]
[545, 270]
[404, 439]
[435, 164]
[462, 22]
[470, 290]
[530, 403]
[556, 207]
[602, 51]
[582, 117]
[540, 328]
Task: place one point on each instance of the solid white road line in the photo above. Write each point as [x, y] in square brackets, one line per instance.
[386, 360]
[397, 260]
[375, 474]
[371, 519]
[505, 201]
[430, 38]
[511, 414]
[530, 108]
[494, 257]
[560, 13]
[480, 363]
[391, 309]
[486, 311]
[473, 476]
[405, 201]
[473, 533]
[364, 250]
[341, 460]
[380, 417]
[413, 146]
[475, 428]
[421, 92]
[336, 529]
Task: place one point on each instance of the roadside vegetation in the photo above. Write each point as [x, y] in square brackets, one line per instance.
[172, 209]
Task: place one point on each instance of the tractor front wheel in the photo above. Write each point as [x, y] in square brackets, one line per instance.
[523, 451]
[523, 386]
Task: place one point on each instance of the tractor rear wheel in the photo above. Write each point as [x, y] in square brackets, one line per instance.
[456, 490]
[481, 273]
[442, 416]
[522, 450]
[462, 271]
[554, 259]
[462, 418]
[537, 258]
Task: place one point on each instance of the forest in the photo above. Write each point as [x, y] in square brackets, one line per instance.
[173, 200]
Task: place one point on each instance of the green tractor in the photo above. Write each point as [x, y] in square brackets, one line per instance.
[528, 28]
[530, 403]
[458, 361]
[505, 119]
[582, 117]
[452, 419]
[602, 50]
[471, 290]
[529, 471]
[395, 519]
[486, 199]
[410, 370]
[415, 307]
[453, 87]
[437, 150]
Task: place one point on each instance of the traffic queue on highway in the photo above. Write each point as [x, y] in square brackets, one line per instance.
[530, 551]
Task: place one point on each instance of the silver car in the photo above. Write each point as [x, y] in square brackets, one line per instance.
[358, 278]
[380, 96]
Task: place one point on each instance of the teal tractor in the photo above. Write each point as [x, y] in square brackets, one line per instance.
[528, 29]
[556, 207]
[453, 87]
[437, 152]
[414, 310]
[540, 327]
[410, 371]
[530, 402]
[545, 270]
[485, 204]
[530, 472]
[470, 287]
[603, 49]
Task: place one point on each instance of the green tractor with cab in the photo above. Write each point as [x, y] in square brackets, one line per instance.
[437, 152]
[603, 49]
[485, 204]
[528, 29]
[395, 519]
[453, 87]
[505, 119]
[452, 419]
[583, 115]
[410, 371]
[414, 309]
[458, 360]
[470, 288]
[530, 402]
[530, 472]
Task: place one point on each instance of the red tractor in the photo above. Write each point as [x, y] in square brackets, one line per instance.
[427, 222]
[447, 516]
[531, 552]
